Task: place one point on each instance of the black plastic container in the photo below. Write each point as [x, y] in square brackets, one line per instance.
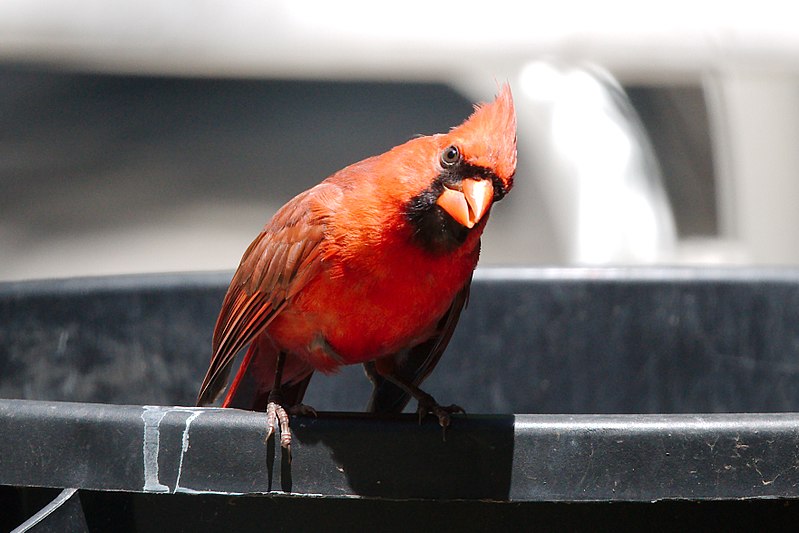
[583, 388]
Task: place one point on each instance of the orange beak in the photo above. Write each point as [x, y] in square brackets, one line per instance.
[468, 205]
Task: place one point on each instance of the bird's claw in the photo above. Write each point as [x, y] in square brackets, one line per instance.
[277, 418]
[442, 412]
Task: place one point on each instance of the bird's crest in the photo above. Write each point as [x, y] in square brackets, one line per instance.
[488, 136]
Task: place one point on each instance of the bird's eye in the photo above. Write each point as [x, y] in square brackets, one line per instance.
[450, 156]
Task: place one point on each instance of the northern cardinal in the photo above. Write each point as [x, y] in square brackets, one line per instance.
[371, 266]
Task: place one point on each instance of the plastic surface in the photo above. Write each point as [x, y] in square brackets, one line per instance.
[530, 341]
[502, 458]
[599, 342]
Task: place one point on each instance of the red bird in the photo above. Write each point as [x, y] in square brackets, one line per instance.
[371, 266]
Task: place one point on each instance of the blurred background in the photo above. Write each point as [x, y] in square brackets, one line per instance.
[154, 136]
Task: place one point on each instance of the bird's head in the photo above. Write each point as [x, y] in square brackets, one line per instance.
[473, 167]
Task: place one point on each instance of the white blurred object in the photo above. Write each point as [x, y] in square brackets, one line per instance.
[420, 39]
[599, 181]
[755, 118]
[595, 164]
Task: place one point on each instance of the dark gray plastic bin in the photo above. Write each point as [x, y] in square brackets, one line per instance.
[596, 398]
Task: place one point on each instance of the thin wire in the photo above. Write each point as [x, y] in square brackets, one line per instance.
[45, 511]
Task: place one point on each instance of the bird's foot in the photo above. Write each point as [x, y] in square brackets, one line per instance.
[442, 412]
[278, 419]
[427, 404]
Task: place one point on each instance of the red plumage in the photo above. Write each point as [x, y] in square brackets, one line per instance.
[372, 266]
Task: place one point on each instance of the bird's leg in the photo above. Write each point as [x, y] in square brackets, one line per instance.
[427, 404]
[275, 412]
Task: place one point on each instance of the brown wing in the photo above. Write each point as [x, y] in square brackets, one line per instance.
[415, 365]
[280, 261]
